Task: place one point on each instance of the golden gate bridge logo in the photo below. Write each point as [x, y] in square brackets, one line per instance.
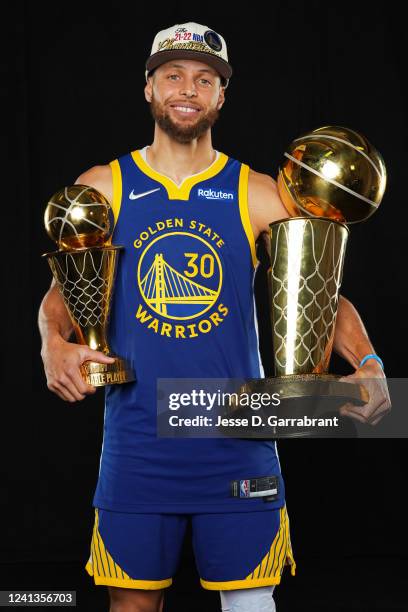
[185, 290]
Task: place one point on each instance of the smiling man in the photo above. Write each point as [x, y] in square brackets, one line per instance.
[196, 119]
[188, 217]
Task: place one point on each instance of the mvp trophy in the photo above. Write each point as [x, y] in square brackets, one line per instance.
[80, 220]
[331, 177]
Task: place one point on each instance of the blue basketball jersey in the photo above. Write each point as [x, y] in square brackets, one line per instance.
[183, 307]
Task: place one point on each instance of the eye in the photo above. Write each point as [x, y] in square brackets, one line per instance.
[172, 75]
[206, 81]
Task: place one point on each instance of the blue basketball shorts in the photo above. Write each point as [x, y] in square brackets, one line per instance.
[236, 550]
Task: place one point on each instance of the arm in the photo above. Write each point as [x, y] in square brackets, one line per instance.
[62, 359]
[264, 204]
[53, 318]
[350, 338]
[55, 328]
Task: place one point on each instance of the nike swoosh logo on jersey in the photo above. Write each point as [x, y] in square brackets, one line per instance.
[136, 196]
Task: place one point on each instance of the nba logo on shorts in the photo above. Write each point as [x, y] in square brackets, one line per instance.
[244, 488]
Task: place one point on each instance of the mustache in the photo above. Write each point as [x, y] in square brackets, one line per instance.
[180, 133]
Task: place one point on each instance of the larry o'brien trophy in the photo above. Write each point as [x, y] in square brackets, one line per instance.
[331, 177]
[80, 220]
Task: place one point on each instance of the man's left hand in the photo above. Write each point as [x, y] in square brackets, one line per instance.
[372, 377]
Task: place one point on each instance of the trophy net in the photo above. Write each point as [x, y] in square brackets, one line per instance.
[85, 279]
[307, 257]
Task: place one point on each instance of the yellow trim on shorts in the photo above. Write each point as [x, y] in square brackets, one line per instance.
[174, 191]
[269, 571]
[106, 571]
[244, 211]
[117, 188]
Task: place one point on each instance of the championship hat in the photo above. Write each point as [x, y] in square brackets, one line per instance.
[190, 41]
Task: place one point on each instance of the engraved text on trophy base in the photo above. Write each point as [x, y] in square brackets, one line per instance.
[101, 374]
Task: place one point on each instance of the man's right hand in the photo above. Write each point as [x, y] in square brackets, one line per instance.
[62, 361]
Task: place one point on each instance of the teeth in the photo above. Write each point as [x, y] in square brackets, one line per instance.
[185, 109]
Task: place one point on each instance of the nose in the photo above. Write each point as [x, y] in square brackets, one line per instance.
[188, 88]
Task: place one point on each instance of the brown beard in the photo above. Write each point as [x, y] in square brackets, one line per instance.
[182, 134]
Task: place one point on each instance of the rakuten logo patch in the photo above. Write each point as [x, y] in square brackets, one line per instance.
[211, 194]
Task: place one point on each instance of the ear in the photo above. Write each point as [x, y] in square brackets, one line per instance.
[221, 98]
[148, 90]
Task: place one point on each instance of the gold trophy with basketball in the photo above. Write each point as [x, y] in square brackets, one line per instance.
[331, 177]
[80, 220]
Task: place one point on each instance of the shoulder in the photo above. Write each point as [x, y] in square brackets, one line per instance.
[261, 184]
[99, 177]
[264, 202]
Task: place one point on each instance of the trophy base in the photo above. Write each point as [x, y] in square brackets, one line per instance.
[313, 395]
[102, 374]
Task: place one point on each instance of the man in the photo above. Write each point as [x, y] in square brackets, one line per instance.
[189, 215]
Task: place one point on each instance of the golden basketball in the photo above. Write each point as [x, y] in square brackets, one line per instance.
[78, 217]
[332, 172]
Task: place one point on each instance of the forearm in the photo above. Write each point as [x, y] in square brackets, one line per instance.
[53, 318]
[351, 340]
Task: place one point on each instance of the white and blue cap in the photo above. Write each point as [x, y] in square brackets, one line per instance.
[190, 41]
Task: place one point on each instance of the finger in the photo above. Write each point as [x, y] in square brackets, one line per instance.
[98, 356]
[72, 393]
[80, 384]
[373, 409]
[361, 413]
[380, 412]
[377, 420]
[366, 413]
[63, 392]
[364, 392]
[66, 382]
[350, 407]
[59, 394]
[348, 379]
[349, 410]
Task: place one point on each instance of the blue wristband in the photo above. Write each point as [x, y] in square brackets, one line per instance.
[371, 356]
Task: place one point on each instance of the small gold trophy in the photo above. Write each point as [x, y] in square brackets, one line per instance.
[331, 177]
[80, 220]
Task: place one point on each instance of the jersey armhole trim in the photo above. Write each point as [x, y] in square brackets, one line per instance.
[244, 211]
[116, 188]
